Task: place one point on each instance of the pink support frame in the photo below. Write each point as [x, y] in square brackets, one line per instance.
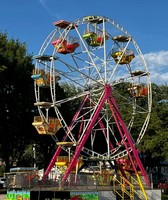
[125, 135]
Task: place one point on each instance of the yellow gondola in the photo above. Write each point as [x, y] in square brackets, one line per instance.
[62, 163]
[122, 57]
[120, 54]
[42, 78]
[46, 128]
[93, 39]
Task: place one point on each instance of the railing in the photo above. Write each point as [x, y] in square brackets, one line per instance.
[131, 189]
[32, 179]
[134, 187]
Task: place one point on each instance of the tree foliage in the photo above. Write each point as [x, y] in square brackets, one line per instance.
[155, 143]
[16, 98]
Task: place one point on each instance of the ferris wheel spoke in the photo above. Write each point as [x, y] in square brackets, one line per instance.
[65, 126]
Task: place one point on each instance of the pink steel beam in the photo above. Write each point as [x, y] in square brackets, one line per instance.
[58, 151]
[123, 138]
[86, 135]
[102, 127]
[52, 162]
[78, 111]
[121, 125]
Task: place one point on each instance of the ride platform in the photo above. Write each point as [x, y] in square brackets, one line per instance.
[28, 184]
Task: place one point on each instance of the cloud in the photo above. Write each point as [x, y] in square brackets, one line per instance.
[157, 63]
[157, 58]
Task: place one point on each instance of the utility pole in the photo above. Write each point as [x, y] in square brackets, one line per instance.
[34, 155]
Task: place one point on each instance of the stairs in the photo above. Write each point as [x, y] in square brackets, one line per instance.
[129, 190]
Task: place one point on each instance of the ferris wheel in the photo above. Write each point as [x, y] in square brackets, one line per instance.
[102, 60]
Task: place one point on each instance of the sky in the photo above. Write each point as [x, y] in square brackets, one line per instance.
[31, 21]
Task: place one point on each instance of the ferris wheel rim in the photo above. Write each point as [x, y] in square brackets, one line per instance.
[93, 64]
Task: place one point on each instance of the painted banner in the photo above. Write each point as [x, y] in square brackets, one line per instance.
[84, 195]
[18, 195]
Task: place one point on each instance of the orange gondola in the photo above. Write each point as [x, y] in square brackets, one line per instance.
[46, 128]
[138, 91]
[65, 46]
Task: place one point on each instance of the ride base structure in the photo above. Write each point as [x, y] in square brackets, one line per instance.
[127, 141]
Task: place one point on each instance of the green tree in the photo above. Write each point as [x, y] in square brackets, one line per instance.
[155, 142]
[16, 99]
